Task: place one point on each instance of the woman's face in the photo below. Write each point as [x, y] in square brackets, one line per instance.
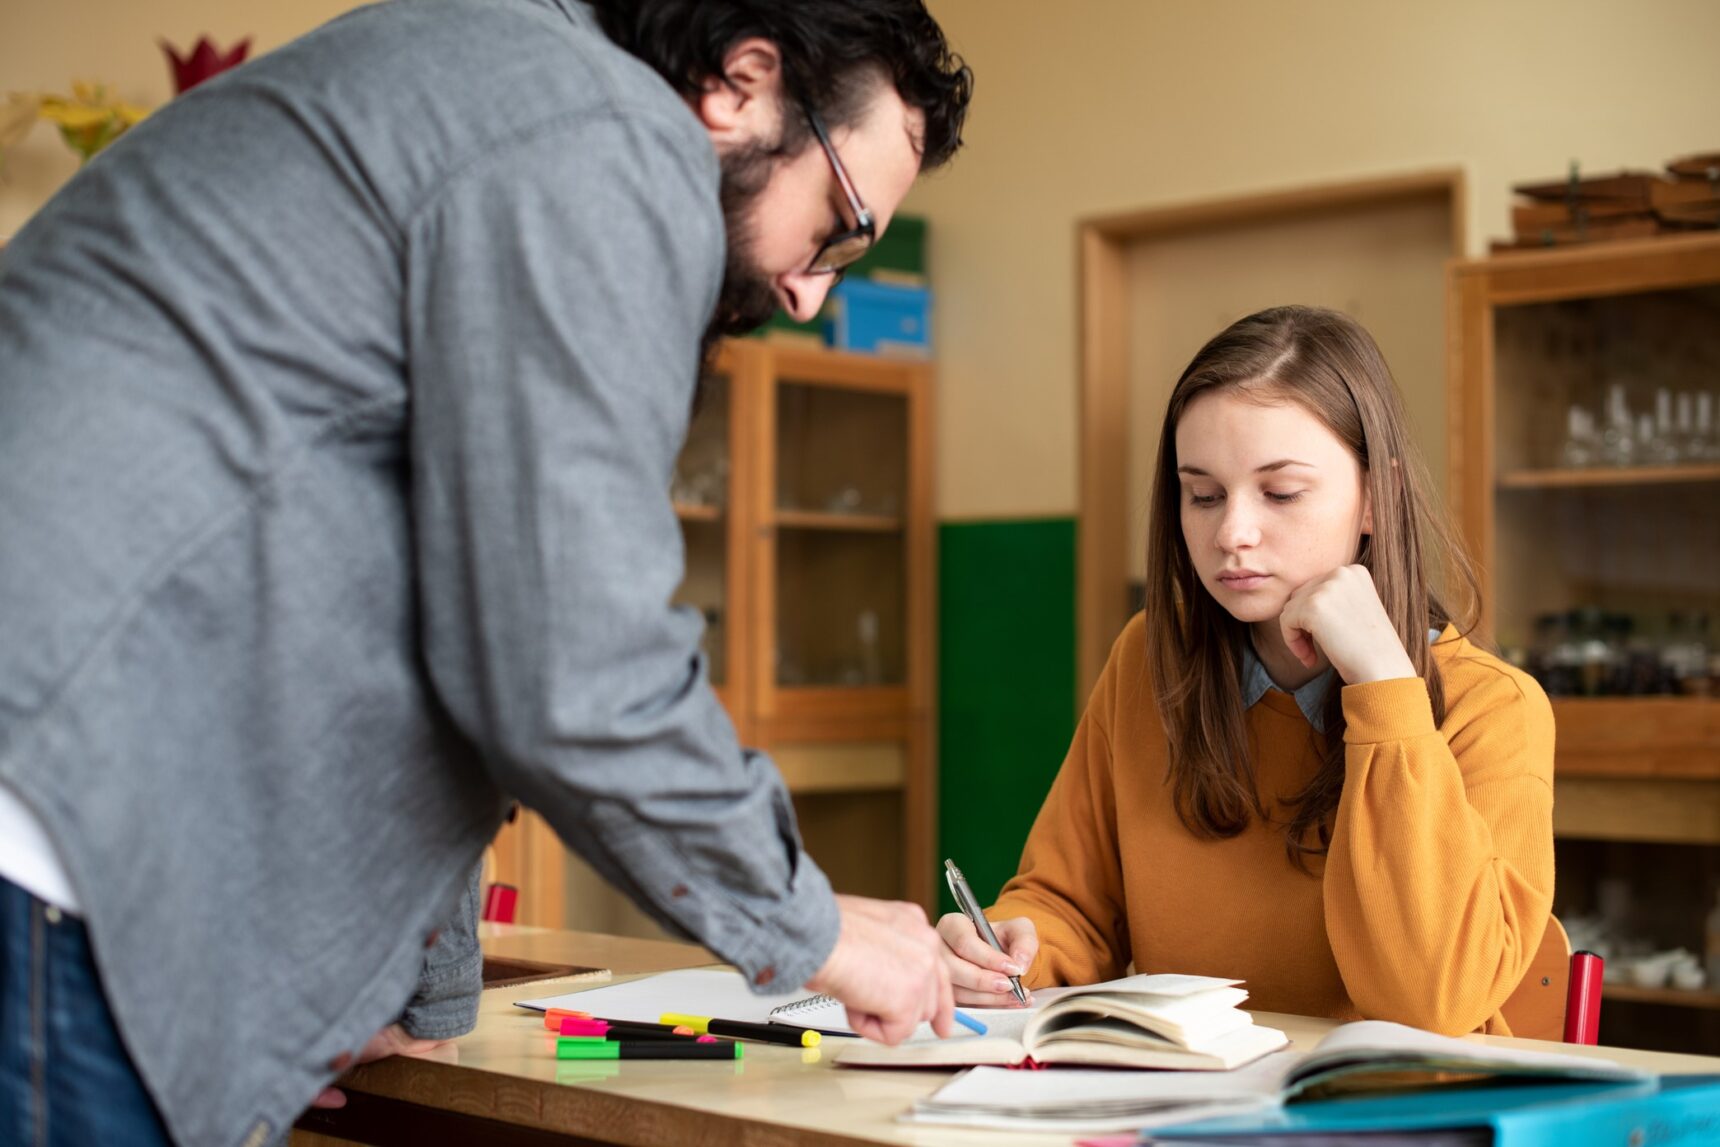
[1270, 499]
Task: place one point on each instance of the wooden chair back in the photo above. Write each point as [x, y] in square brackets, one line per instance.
[1536, 1010]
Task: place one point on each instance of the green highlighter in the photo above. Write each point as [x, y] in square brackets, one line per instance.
[575, 1048]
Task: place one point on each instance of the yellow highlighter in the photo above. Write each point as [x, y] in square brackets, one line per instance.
[741, 1029]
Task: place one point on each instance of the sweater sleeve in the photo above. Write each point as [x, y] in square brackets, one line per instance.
[1439, 880]
[1070, 882]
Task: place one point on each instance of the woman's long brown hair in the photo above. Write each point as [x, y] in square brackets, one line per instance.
[1328, 364]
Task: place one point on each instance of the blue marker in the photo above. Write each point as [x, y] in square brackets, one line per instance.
[969, 1022]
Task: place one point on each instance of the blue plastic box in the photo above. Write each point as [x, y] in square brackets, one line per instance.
[880, 318]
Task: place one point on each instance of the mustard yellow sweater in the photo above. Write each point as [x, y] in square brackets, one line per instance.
[1427, 909]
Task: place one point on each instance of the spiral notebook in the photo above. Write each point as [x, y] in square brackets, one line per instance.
[820, 1013]
[719, 992]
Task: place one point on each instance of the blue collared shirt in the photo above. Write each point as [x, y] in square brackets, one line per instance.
[1310, 698]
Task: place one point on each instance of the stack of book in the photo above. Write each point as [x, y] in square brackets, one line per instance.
[1624, 205]
[1368, 1058]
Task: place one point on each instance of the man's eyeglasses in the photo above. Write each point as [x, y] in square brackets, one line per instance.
[842, 249]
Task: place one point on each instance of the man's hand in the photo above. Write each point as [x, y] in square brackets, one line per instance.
[1340, 612]
[887, 967]
[391, 1040]
[979, 972]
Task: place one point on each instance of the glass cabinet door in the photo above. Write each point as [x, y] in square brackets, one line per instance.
[840, 501]
[702, 493]
[1608, 476]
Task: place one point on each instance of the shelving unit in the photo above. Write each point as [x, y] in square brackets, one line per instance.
[1596, 477]
[1637, 779]
[804, 494]
[1672, 997]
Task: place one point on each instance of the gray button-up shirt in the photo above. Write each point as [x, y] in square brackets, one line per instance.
[338, 406]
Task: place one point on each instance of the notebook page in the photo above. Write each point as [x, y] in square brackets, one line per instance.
[719, 992]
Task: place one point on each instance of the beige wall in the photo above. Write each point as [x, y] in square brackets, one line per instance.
[1090, 107]
[1094, 106]
[46, 44]
[1383, 263]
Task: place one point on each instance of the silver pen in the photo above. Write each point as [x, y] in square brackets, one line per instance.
[970, 908]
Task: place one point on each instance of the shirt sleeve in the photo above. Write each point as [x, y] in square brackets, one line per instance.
[1439, 880]
[1070, 883]
[557, 289]
[446, 1002]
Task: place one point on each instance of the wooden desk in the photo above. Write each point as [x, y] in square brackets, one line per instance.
[502, 1085]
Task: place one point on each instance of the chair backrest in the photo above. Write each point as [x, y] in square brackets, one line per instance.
[1536, 1010]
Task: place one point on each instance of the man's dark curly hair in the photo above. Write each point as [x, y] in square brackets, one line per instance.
[831, 52]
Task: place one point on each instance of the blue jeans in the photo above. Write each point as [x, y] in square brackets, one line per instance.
[65, 1079]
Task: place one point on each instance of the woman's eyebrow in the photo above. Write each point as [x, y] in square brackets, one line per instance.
[1266, 469]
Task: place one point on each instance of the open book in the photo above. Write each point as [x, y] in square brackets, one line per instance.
[1168, 1021]
[1369, 1056]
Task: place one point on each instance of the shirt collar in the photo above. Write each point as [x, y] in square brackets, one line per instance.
[1310, 698]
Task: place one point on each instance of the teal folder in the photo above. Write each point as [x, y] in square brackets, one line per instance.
[1672, 1111]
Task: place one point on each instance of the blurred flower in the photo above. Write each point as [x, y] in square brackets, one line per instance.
[204, 60]
[88, 121]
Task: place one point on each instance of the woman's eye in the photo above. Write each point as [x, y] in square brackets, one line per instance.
[1283, 499]
[1202, 499]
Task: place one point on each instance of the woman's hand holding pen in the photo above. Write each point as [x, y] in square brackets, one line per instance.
[980, 973]
[887, 967]
[1340, 612]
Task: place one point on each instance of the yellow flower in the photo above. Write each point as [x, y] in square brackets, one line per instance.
[88, 121]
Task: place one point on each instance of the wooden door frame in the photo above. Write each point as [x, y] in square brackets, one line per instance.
[1102, 250]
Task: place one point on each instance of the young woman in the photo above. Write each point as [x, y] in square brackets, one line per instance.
[1295, 770]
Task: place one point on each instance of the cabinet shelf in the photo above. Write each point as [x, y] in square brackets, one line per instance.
[1638, 737]
[688, 512]
[1672, 997]
[1600, 476]
[819, 520]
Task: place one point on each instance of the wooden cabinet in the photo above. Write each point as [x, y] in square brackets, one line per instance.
[1634, 539]
[804, 493]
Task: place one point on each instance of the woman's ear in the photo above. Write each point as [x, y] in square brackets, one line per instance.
[1368, 500]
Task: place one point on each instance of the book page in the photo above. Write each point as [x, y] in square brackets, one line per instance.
[1375, 1045]
[999, 1088]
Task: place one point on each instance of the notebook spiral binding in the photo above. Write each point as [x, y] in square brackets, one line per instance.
[810, 1003]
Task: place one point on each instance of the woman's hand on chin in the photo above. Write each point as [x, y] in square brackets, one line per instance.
[1340, 612]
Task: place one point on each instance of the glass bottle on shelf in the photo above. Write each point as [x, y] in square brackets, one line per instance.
[1655, 434]
[1706, 446]
[1618, 438]
[1556, 658]
[871, 661]
[1688, 442]
[1686, 654]
[1580, 447]
[1596, 657]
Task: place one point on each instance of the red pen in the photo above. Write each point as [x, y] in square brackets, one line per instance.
[1583, 999]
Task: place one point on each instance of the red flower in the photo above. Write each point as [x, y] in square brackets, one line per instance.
[203, 61]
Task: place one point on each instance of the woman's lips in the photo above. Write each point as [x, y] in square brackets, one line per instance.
[1243, 579]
